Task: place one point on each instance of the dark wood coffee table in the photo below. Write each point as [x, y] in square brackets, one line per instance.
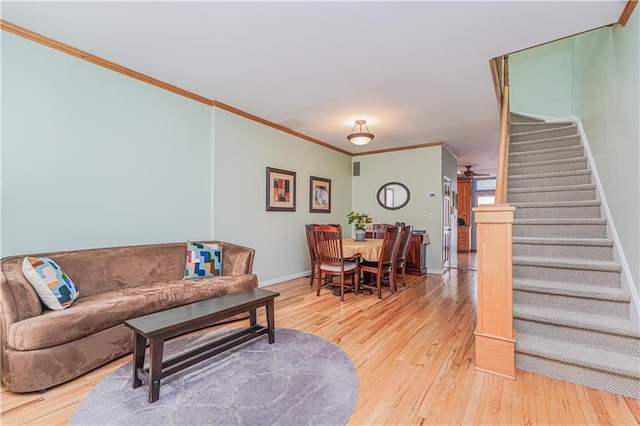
[160, 326]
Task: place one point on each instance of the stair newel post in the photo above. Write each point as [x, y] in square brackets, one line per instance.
[495, 336]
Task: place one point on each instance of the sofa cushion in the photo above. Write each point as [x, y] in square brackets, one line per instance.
[203, 260]
[55, 289]
[99, 312]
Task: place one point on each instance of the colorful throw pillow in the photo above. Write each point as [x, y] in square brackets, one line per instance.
[203, 260]
[55, 289]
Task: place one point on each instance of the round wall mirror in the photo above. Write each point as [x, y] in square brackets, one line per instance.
[393, 195]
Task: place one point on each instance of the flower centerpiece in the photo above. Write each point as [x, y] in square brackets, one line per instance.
[360, 220]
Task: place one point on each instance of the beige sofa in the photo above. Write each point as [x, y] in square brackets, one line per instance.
[41, 348]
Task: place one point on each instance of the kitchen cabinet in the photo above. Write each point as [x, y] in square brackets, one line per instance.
[464, 213]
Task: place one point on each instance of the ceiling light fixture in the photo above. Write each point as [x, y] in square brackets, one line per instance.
[360, 137]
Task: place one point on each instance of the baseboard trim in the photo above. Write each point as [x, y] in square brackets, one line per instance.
[282, 279]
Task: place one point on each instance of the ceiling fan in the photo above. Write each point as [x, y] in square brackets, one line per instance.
[471, 174]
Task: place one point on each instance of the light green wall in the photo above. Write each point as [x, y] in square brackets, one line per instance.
[540, 80]
[606, 97]
[601, 68]
[421, 171]
[243, 150]
[93, 158]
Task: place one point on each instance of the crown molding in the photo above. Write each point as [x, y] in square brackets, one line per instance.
[65, 48]
[229, 108]
[402, 148]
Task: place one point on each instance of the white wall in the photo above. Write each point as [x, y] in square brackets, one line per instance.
[421, 171]
[93, 158]
[243, 150]
[606, 97]
[540, 80]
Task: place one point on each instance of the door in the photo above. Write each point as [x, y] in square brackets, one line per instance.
[446, 228]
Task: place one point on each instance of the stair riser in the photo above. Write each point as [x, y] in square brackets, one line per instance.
[547, 168]
[529, 157]
[553, 133]
[620, 385]
[574, 304]
[579, 336]
[564, 142]
[514, 118]
[544, 196]
[531, 127]
[560, 231]
[543, 182]
[577, 276]
[563, 251]
[590, 212]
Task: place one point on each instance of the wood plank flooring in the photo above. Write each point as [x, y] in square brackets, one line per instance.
[413, 352]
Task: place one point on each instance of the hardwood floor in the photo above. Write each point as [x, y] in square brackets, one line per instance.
[467, 260]
[413, 352]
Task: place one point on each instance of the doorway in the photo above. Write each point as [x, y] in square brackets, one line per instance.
[447, 215]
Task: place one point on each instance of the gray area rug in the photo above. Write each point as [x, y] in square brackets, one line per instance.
[301, 379]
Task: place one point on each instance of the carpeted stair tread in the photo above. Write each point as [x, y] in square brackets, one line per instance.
[548, 162]
[579, 355]
[515, 155]
[549, 175]
[569, 289]
[568, 263]
[587, 221]
[595, 242]
[588, 321]
[543, 132]
[586, 186]
[556, 141]
[537, 125]
[543, 204]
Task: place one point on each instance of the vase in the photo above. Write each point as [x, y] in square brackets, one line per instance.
[360, 233]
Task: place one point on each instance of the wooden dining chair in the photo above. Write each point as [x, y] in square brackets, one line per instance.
[401, 256]
[385, 264]
[378, 230]
[331, 261]
[313, 257]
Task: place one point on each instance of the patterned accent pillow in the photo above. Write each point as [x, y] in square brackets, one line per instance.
[55, 289]
[203, 260]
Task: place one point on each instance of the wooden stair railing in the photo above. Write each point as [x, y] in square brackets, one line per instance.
[494, 335]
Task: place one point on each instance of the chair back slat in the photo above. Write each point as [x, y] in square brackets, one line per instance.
[310, 240]
[328, 240]
[403, 246]
[378, 230]
[390, 245]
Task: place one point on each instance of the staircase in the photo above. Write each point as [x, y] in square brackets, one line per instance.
[571, 312]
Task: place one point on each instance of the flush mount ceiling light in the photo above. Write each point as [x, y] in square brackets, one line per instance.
[360, 137]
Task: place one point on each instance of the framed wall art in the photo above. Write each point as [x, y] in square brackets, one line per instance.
[281, 190]
[319, 195]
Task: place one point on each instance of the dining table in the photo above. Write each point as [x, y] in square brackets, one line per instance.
[370, 248]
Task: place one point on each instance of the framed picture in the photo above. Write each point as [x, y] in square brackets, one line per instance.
[281, 190]
[319, 195]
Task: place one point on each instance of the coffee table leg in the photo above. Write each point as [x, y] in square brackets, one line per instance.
[139, 343]
[155, 367]
[270, 307]
[253, 317]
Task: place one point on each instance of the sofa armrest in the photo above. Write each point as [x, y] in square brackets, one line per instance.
[236, 259]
